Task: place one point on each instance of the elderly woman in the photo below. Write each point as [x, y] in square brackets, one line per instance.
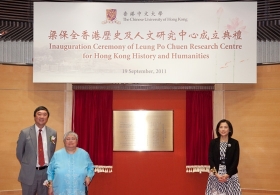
[70, 169]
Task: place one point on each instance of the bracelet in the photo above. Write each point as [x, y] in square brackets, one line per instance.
[213, 170]
[49, 184]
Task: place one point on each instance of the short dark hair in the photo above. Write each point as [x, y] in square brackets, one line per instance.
[229, 126]
[41, 108]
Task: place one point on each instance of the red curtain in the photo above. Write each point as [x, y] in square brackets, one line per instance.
[199, 130]
[92, 120]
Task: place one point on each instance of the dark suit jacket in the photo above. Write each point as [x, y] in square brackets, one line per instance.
[232, 155]
[26, 152]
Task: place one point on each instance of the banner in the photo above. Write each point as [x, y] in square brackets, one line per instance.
[90, 42]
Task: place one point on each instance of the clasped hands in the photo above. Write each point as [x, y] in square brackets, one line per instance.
[222, 178]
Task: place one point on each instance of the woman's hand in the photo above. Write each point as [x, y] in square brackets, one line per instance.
[225, 177]
[87, 181]
[222, 178]
[50, 190]
[219, 177]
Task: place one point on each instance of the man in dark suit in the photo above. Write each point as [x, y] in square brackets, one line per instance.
[32, 175]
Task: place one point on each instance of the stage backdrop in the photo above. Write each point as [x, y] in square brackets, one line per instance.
[90, 42]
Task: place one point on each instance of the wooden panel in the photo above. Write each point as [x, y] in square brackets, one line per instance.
[10, 192]
[259, 192]
[21, 77]
[255, 115]
[267, 78]
[18, 99]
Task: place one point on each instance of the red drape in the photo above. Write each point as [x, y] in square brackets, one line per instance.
[199, 130]
[92, 120]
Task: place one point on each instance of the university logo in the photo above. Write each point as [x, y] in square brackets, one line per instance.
[111, 16]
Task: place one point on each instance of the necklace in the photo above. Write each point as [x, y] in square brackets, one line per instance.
[223, 139]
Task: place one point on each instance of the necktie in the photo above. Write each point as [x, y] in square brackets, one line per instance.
[40, 149]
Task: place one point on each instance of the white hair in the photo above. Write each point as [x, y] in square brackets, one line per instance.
[68, 133]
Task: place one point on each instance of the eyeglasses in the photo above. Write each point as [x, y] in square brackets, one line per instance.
[71, 139]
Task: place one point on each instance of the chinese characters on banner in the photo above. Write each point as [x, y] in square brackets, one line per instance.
[164, 43]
